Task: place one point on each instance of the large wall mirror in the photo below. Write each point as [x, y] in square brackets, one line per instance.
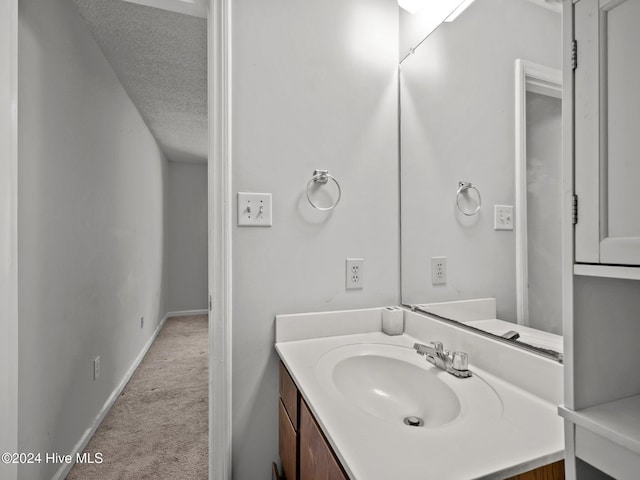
[480, 127]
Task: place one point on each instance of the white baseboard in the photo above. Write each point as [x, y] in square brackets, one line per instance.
[184, 313]
[65, 468]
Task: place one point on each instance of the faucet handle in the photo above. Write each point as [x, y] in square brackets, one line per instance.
[438, 346]
[460, 361]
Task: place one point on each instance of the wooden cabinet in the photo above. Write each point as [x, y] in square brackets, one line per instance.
[317, 460]
[289, 396]
[288, 445]
[553, 471]
[304, 451]
[607, 106]
[288, 421]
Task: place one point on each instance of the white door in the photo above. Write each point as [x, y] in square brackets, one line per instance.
[607, 136]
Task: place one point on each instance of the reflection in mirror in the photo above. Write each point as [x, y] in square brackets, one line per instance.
[538, 196]
[481, 106]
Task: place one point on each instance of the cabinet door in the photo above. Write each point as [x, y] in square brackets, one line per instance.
[289, 395]
[317, 461]
[287, 444]
[607, 131]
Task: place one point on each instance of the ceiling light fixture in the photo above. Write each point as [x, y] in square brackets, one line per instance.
[461, 8]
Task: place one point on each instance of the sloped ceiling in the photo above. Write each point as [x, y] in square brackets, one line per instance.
[160, 58]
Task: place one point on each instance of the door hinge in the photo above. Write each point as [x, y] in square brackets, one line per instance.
[574, 54]
[210, 303]
[574, 210]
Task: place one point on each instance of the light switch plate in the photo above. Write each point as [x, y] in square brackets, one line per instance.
[254, 210]
[503, 217]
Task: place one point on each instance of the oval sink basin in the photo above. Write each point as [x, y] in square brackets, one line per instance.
[392, 383]
[394, 389]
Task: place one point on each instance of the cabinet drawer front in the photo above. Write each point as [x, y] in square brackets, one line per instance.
[289, 395]
[317, 461]
[288, 450]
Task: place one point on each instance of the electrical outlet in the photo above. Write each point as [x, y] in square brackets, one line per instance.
[438, 270]
[354, 273]
[503, 217]
[141, 322]
[96, 367]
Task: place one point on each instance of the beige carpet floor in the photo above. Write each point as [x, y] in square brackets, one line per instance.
[158, 429]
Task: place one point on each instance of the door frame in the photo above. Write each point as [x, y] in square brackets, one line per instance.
[530, 77]
[9, 233]
[220, 236]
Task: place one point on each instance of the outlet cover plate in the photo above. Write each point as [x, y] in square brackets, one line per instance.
[354, 274]
[438, 270]
[503, 217]
[254, 210]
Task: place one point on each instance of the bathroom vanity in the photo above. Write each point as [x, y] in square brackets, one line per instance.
[302, 444]
[345, 388]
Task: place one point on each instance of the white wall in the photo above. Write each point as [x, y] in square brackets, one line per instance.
[458, 123]
[8, 234]
[91, 226]
[187, 236]
[314, 86]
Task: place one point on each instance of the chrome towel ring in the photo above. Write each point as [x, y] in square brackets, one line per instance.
[462, 188]
[322, 176]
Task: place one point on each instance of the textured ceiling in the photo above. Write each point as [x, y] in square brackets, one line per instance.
[160, 58]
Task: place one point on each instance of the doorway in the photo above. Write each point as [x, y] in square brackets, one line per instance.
[538, 196]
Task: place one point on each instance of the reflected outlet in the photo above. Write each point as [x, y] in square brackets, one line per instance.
[438, 270]
[354, 273]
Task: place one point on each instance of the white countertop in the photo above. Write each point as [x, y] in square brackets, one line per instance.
[526, 435]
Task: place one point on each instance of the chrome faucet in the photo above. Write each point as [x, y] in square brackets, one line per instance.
[457, 364]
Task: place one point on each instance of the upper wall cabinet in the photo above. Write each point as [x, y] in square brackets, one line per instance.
[607, 135]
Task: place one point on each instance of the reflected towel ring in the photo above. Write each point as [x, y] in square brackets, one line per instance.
[322, 176]
[463, 187]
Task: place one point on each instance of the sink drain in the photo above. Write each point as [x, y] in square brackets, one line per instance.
[413, 421]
